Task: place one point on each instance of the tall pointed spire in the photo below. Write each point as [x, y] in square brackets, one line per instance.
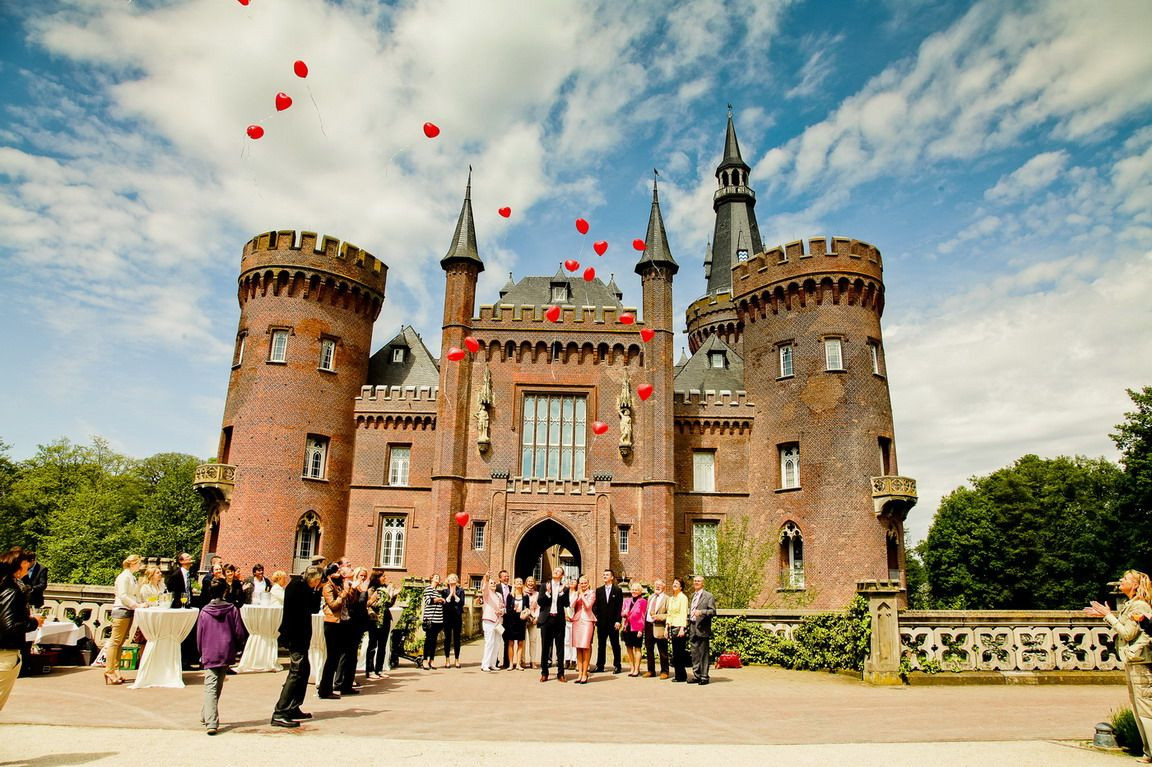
[737, 236]
[732, 156]
[656, 249]
[463, 247]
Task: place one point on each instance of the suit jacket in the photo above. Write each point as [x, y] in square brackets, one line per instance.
[544, 598]
[300, 604]
[36, 582]
[701, 628]
[175, 584]
[608, 610]
[250, 588]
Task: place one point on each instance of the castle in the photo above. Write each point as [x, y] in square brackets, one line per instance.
[578, 442]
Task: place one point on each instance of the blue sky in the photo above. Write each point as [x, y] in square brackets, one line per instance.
[999, 155]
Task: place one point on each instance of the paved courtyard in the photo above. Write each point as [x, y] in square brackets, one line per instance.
[450, 716]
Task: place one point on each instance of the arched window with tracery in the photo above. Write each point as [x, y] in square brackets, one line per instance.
[791, 557]
[307, 545]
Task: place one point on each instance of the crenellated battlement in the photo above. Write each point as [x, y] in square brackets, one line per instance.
[711, 398]
[397, 394]
[598, 318]
[288, 248]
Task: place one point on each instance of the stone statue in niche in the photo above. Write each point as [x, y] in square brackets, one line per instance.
[483, 403]
[626, 407]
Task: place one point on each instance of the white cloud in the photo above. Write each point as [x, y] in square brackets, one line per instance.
[1030, 177]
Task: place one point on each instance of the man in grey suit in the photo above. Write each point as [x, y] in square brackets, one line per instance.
[701, 608]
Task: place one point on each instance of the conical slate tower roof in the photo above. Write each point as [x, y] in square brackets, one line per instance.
[656, 249]
[463, 246]
[732, 156]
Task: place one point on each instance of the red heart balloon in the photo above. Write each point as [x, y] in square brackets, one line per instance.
[639, 244]
[472, 344]
[255, 131]
[627, 318]
[505, 212]
[647, 334]
[600, 246]
[599, 427]
[243, 2]
[462, 518]
[431, 130]
[455, 354]
[571, 264]
[581, 226]
[589, 274]
[553, 314]
[300, 68]
[644, 390]
[283, 101]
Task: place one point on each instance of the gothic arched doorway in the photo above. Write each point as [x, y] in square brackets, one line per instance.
[546, 545]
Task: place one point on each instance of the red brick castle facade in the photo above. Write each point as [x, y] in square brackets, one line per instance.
[781, 417]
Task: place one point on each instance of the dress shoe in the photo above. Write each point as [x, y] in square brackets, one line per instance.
[561, 679]
[299, 715]
[543, 677]
[212, 730]
[663, 676]
[328, 696]
[618, 670]
[702, 682]
[279, 722]
[679, 680]
[353, 691]
[692, 681]
[647, 675]
[599, 669]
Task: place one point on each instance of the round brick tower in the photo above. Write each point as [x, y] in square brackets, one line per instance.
[302, 348]
[814, 361]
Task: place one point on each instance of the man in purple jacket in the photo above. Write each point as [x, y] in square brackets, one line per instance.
[220, 635]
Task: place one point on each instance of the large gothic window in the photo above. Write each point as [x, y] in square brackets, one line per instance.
[789, 466]
[307, 545]
[554, 432]
[392, 529]
[791, 557]
[705, 548]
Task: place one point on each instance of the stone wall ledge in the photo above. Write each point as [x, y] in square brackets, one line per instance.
[944, 678]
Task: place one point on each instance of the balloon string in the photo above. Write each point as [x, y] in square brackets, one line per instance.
[317, 108]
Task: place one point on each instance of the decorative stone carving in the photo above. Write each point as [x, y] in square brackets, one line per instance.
[626, 406]
[483, 404]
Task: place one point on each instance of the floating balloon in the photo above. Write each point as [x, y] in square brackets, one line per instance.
[600, 246]
[455, 354]
[589, 274]
[472, 344]
[581, 226]
[300, 68]
[505, 212]
[432, 130]
[571, 264]
[283, 101]
[553, 314]
[627, 318]
[647, 334]
[639, 244]
[599, 427]
[255, 131]
[243, 2]
[462, 518]
[644, 390]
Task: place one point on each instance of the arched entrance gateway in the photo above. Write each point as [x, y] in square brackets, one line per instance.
[546, 545]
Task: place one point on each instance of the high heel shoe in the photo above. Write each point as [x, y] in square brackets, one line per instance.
[112, 679]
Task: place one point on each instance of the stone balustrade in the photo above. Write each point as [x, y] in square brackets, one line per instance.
[215, 479]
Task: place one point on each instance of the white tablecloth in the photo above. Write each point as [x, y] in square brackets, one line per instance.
[56, 632]
[317, 651]
[164, 630]
[263, 624]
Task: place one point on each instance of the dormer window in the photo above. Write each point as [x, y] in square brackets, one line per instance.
[398, 354]
[717, 360]
[742, 254]
[559, 293]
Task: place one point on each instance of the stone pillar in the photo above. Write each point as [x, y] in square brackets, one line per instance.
[883, 663]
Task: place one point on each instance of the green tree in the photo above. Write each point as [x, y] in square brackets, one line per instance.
[916, 576]
[1040, 534]
[1133, 439]
[737, 565]
[172, 515]
[11, 521]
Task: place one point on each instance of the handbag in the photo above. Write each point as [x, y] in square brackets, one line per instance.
[659, 630]
[728, 660]
[499, 629]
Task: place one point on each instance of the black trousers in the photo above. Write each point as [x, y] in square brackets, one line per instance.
[680, 658]
[651, 643]
[374, 656]
[335, 637]
[346, 670]
[431, 637]
[552, 640]
[296, 685]
[604, 636]
[701, 658]
[452, 637]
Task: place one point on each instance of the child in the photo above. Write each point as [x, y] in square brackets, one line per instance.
[220, 634]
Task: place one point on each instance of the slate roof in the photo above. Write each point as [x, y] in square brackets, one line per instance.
[419, 367]
[537, 291]
[697, 373]
[463, 247]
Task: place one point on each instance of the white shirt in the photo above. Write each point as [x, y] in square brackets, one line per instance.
[127, 590]
[557, 586]
[653, 603]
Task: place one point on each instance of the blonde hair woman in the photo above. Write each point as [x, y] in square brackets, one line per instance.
[152, 588]
[276, 593]
[1134, 647]
[123, 610]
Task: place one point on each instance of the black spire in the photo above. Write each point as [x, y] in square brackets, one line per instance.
[737, 236]
[656, 249]
[732, 158]
[463, 247]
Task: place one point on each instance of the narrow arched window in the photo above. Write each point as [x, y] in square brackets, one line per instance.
[307, 545]
[791, 557]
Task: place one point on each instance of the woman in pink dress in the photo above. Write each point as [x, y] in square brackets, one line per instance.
[583, 623]
[632, 625]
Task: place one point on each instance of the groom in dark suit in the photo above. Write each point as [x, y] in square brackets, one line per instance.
[701, 609]
[609, 602]
[552, 598]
